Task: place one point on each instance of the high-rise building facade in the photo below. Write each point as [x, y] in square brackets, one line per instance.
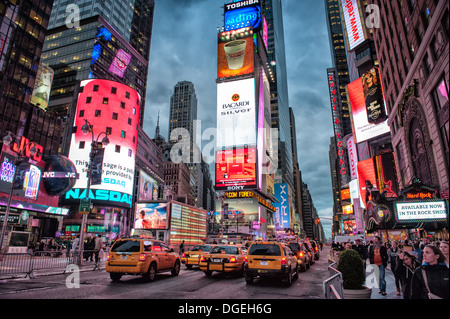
[412, 42]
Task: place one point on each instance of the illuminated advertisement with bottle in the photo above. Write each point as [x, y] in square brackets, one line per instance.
[236, 169]
[112, 108]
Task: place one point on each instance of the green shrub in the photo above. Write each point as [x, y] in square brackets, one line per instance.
[351, 266]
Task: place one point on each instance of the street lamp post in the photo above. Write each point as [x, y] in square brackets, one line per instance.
[7, 140]
[88, 128]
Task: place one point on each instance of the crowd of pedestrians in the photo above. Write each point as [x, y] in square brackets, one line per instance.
[420, 268]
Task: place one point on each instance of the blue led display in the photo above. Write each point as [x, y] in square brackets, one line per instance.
[243, 17]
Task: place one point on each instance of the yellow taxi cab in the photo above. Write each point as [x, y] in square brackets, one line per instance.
[223, 258]
[141, 256]
[271, 259]
[193, 256]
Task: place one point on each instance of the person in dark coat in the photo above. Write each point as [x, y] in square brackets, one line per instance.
[437, 276]
[404, 270]
[378, 256]
[361, 249]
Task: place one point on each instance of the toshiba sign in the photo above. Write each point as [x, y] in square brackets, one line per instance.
[353, 24]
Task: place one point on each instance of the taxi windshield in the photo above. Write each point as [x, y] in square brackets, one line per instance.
[126, 246]
[224, 250]
[201, 247]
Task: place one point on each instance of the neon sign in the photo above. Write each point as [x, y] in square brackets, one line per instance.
[32, 181]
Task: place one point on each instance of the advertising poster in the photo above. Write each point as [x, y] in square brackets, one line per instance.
[236, 113]
[373, 94]
[120, 63]
[366, 171]
[235, 53]
[148, 187]
[236, 167]
[281, 216]
[151, 216]
[42, 86]
[353, 24]
[118, 114]
[363, 129]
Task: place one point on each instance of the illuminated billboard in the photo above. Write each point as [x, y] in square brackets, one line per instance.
[236, 113]
[353, 24]
[42, 86]
[187, 223]
[113, 108]
[120, 63]
[373, 95]
[235, 53]
[363, 129]
[366, 172]
[236, 169]
[282, 216]
[242, 14]
[151, 216]
[421, 211]
[148, 187]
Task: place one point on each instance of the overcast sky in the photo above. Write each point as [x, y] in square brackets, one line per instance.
[184, 48]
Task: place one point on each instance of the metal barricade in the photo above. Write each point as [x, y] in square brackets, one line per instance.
[333, 287]
[26, 263]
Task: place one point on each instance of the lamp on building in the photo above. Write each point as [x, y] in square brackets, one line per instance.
[86, 129]
[7, 140]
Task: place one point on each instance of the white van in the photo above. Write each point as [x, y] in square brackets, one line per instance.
[344, 239]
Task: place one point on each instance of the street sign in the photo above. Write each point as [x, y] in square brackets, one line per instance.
[85, 205]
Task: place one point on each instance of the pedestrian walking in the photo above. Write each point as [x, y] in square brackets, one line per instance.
[378, 256]
[443, 246]
[97, 247]
[430, 280]
[393, 253]
[404, 270]
[361, 249]
[182, 247]
[418, 252]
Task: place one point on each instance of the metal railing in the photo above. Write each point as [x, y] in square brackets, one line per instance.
[27, 263]
[333, 287]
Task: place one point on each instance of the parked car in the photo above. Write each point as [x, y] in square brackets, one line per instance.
[310, 251]
[316, 250]
[193, 256]
[140, 256]
[271, 259]
[223, 258]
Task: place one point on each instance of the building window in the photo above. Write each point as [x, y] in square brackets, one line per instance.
[129, 121]
[95, 89]
[127, 95]
[113, 90]
[105, 100]
[108, 130]
[122, 105]
[440, 94]
[123, 134]
[130, 153]
[115, 116]
[88, 100]
[98, 113]
[117, 149]
[81, 114]
[81, 145]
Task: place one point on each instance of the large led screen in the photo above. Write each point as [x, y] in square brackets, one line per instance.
[242, 14]
[148, 187]
[364, 130]
[42, 86]
[366, 172]
[112, 108]
[353, 25]
[236, 113]
[187, 224]
[236, 168]
[235, 53]
[151, 216]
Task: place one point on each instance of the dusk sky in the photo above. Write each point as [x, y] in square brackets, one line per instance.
[184, 48]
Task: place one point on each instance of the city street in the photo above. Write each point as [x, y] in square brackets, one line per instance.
[189, 284]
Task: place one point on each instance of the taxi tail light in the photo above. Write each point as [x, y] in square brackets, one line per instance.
[301, 254]
[283, 261]
[142, 257]
[232, 260]
[246, 259]
[108, 257]
[317, 249]
[184, 255]
[203, 258]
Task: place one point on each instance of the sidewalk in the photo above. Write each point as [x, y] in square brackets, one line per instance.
[391, 290]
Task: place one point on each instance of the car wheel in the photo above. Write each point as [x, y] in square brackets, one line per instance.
[248, 279]
[296, 272]
[176, 268]
[151, 273]
[115, 276]
[208, 273]
[287, 280]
